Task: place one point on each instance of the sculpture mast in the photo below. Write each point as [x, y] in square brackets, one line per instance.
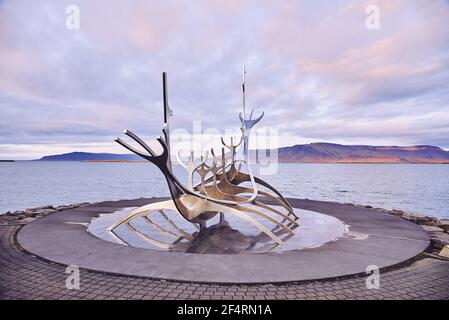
[167, 114]
[243, 89]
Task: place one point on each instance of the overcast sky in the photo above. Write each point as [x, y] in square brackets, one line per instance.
[314, 67]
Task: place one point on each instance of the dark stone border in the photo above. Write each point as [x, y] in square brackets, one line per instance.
[392, 240]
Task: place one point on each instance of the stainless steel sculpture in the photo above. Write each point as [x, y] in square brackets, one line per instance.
[220, 191]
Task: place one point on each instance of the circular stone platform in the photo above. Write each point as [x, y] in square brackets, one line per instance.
[374, 238]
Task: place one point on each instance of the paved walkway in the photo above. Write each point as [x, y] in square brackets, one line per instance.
[23, 276]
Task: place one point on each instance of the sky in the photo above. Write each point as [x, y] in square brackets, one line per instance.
[318, 69]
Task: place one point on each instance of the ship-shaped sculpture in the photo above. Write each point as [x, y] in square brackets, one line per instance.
[223, 189]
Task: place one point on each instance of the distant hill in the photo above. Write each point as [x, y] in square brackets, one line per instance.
[86, 156]
[337, 153]
[307, 153]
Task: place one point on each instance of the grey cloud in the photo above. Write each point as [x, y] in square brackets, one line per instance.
[308, 64]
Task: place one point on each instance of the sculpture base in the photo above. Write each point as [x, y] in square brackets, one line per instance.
[374, 238]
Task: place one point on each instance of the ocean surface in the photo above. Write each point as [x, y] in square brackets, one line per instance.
[417, 188]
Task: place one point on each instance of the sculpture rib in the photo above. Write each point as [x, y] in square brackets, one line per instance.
[214, 192]
[142, 235]
[162, 229]
[190, 167]
[225, 187]
[209, 206]
[259, 213]
[182, 231]
[229, 188]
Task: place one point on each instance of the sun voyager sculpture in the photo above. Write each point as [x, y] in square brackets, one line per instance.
[227, 187]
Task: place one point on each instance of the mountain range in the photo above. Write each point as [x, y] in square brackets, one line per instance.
[336, 153]
[307, 153]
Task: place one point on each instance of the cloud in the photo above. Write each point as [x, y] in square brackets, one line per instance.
[313, 67]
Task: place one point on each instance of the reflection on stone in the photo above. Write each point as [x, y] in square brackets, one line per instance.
[168, 231]
[222, 238]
